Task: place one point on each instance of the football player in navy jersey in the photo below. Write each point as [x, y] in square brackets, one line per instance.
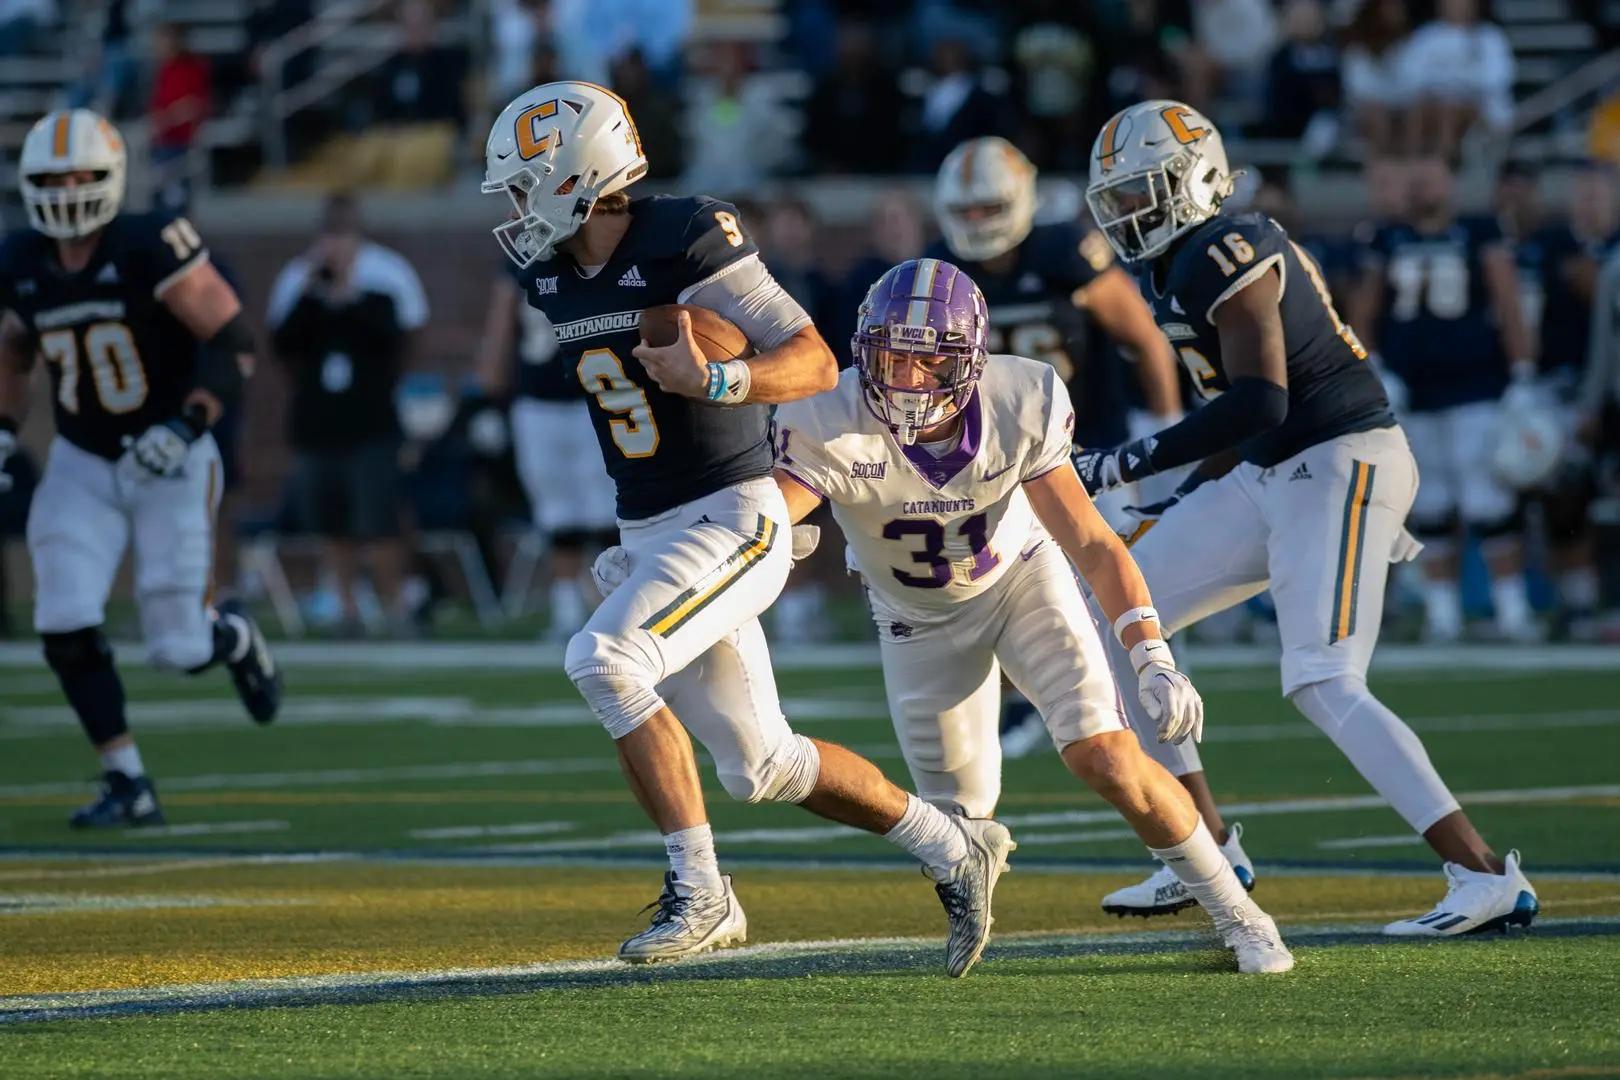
[703, 527]
[569, 492]
[117, 305]
[1304, 487]
[1047, 285]
[1439, 298]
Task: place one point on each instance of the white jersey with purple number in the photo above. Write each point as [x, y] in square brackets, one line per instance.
[929, 529]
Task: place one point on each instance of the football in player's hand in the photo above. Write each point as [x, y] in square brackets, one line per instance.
[717, 337]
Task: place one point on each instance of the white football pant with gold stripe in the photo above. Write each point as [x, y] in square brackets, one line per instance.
[683, 630]
[88, 510]
[1320, 530]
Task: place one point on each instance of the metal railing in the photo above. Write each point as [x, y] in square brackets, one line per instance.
[1593, 77]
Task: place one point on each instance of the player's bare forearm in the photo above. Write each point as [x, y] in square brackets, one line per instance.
[1502, 279]
[801, 501]
[202, 300]
[800, 367]
[1061, 504]
[1116, 303]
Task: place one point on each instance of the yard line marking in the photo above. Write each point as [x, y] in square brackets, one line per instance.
[787, 959]
[206, 828]
[527, 656]
[77, 903]
[466, 832]
[1350, 843]
[1087, 836]
[167, 867]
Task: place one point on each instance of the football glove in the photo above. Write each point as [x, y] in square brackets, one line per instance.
[1104, 470]
[8, 446]
[162, 448]
[1168, 696]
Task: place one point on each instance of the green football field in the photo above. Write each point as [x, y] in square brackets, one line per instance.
[423, 867]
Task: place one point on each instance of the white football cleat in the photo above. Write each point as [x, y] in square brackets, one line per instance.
[687, 922]
[967, 891]
[1162, 893]
[1253, 937]
[1476, 902]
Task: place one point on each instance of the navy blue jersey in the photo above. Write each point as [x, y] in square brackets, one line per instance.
[1438, 331]
[1550, 258]
[537, 367]
[1332, 390]
[119, 359]
[1032, 314]
[661, 449]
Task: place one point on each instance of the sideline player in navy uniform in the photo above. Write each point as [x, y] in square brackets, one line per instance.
[117, 304]
[1439, 300]
[1046, 286]
[553, 443]
[703, 526]
[1305, 484]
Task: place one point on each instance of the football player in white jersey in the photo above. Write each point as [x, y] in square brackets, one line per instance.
[948, 471]
[1303, 487]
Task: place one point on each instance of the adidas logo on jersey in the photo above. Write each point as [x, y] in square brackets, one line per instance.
[108, 275]
[1301, 472]
[633, 276]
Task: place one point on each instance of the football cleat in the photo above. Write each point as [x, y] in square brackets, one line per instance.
[1252, 935]
[687, 922]
[966, 892]
[1476, 902]
[253, 671]
[123, 803]
[1162, 893]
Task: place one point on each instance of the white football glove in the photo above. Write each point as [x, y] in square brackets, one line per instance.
[162, 448]
[1168, 696]
[612, 567]
[8, 446]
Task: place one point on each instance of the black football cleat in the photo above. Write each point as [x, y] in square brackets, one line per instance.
[254, 671]
[123, 803]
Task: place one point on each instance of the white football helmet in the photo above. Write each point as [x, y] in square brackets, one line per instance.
[555, 150]
[1158, 169]
[984, 198]
[71, 141]
[1530, 443]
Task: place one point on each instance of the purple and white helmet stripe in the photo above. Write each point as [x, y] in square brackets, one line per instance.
[921, 310]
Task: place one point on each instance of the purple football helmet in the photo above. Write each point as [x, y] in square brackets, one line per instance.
[919, 345]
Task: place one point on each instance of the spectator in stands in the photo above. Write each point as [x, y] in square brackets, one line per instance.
[1459, 69]
[517, 29]
[657, 113]
[789, 240]
[419, 108]
[956, 106]
[1375, 94]
[20, 24]
[343, 317]
[1302, 96]
[1150, 53]
[182, 98]
[108, 82]
[736, 129]
[852, 117]
[591, 34]
[896, 231]
[1237, 37]
[1054, 68]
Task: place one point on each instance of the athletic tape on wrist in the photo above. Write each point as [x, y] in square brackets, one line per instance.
[1134, 615]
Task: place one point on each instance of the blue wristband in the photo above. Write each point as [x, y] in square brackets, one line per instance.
[717, 380]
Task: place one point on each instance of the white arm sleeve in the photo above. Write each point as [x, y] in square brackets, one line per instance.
[747, 294]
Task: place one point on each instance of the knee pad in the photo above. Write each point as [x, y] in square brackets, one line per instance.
[622, 693]
[1386, 752]
[77, 652]
[789, 775]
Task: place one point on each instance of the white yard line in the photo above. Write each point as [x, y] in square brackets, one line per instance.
[203, 828]
[168, 866]
[1352, 843]
[77, 903]
[743, 962]
[470, 832]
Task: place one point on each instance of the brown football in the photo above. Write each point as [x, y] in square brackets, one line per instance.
[717, 337]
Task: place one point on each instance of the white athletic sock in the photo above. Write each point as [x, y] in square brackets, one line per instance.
[931, 836]
[691, 856]
[126, 759]
[567, 606]
[1197, 861]
[1511, 599]
[1442, 609]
